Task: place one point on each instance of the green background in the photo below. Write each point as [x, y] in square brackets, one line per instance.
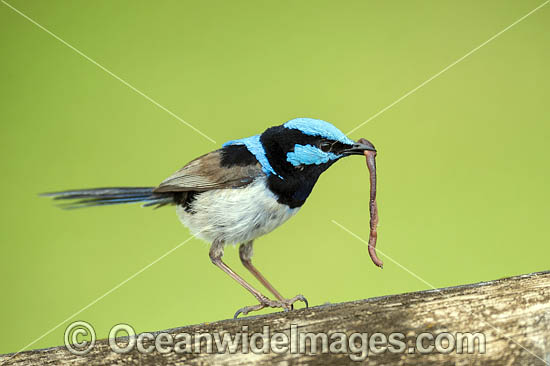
[462, 163]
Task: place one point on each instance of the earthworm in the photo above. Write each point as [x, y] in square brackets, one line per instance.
[373, 207]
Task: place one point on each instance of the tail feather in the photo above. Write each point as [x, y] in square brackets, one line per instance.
[111, 196]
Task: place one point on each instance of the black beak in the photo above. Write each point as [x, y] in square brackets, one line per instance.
[359, 147]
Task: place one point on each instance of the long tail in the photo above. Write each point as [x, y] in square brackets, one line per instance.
[112, 196]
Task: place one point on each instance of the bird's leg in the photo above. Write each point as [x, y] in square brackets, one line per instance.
[245, 253]
[216, 254]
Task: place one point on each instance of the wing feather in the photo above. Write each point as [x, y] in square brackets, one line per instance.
[206, 173]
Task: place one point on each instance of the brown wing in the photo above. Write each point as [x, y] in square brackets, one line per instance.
[206, 173]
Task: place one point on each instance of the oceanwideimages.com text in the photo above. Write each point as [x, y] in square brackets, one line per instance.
[358, 345]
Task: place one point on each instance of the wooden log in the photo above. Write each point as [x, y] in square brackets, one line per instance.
[508, 322]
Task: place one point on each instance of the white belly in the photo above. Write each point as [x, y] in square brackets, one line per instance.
[235, 215]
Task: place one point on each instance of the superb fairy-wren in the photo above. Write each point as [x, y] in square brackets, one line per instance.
[242, 191]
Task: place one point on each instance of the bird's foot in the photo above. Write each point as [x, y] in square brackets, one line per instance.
[286, 304]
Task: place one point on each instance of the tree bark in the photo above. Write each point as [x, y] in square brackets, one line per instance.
[512, 315]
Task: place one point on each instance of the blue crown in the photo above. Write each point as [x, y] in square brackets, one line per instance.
[317, 127]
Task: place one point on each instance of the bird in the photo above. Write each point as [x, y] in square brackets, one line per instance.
[240, 192]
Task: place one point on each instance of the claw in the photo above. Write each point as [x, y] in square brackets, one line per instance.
[248, 309]
[286, 305]
[305, 300]
[297, 298]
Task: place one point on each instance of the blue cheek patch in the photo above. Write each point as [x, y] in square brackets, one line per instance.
[317, 127]
[309, 155]
[254, 145]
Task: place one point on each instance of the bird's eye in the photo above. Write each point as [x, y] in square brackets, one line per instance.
[325, 146]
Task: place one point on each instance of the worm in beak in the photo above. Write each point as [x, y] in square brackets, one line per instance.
[373, 208]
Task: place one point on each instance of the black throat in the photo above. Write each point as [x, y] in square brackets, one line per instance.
[294, 184]
[293, 190]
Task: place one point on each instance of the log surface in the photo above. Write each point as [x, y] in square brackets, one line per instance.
[513, 314]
